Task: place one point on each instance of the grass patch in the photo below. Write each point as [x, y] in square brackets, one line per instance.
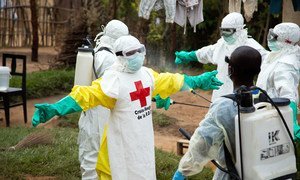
[46, 83]
[60, 160]
[167, 164]
[70, 120]
[161, 120]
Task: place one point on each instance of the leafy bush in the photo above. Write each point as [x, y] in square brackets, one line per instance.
[46, 83]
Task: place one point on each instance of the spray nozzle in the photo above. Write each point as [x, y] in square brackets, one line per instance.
[87, 42]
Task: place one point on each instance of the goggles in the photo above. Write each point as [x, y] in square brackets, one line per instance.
[272, 36]
[132, 51]
[227, 60]
[227, 31]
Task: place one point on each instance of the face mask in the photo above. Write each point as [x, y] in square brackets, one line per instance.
[229, 39]
[273, 46]
[135, 63]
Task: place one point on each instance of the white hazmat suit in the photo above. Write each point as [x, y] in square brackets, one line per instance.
[216, 53]
[280, 71]
[91, 122]
[233, 35]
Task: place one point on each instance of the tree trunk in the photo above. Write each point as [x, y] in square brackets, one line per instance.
[34, 25]
[266, 30]
[288, 13]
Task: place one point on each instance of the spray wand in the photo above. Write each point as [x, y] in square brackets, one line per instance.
[197, 94]
[187, 104]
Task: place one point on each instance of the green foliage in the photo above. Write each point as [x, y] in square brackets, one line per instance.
[59, 159]
[46, 83]
[209, 67]
[167, 163]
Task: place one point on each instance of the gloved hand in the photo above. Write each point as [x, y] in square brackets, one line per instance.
[293, 105]
[162, 103]
[185, 57]
[205, 81]
[44, 112]
[178, 176]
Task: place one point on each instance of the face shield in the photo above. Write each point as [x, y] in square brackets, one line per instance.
[132, 52]
[272, 36]
[226, 32]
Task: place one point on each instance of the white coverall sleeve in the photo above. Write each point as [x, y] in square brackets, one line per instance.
[286, 80]
[205, 54]
[196, 157]
[207, 141]
[204, 146]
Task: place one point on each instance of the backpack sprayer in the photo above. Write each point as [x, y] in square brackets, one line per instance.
[84, 64]
[264, 143]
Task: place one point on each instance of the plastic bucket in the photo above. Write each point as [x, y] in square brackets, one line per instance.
[4, 78]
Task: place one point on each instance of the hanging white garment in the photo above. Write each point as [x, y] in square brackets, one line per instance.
[249, 7]
[191, 10]
[235, 6]
[130, 137]
[146, 6]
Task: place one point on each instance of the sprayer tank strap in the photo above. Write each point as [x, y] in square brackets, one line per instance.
[100, 49]
[104, 48]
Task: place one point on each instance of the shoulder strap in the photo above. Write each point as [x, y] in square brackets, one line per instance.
[229, 163]
[104, 48]
[230, 96]
[100, 49]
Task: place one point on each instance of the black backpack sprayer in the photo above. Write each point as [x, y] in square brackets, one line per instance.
[264, 141]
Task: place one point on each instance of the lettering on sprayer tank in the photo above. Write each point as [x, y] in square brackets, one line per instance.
[274, 151]
[273, 137]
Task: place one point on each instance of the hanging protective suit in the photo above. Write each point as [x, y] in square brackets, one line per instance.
[91, 122]
[127, 150]
[280, 70]
[233, 35]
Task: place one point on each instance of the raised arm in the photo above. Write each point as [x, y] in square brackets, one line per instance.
[81, 98]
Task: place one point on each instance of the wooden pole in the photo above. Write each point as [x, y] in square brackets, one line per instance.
[35, 36]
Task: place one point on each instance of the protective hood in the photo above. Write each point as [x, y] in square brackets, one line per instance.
[236, 21]
[113, 30]
[233, 20]
[124, 64]
[104, 41]
[288, 36]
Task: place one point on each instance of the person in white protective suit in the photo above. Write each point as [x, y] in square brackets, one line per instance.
[233, 35]
[126, 88]
[280, 70]
[218, 126]
[91, 122]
